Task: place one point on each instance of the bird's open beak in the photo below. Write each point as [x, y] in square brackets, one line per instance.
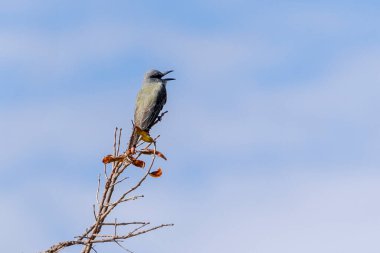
[165, 73]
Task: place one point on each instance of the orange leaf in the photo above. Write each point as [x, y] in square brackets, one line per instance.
[151, 152]
[107, 159]
[111, 158]
[157, 173]
[138, 163]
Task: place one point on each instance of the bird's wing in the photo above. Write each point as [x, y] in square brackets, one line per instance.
[150, 102]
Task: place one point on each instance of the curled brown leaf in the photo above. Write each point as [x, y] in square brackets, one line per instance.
[157, 173]
[111, 158]
[151, 152]
[138, 163]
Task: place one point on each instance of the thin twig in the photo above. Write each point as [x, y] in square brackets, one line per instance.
[114, 142]
[92, 247]
[151, 229]
[106, 202]
[115, 226]
[93, 209]
[140, 227]
[121, 246]
[123, 237]
[123, 223]
[97, 191]
[105, 171]
[121, 180]
[118, 145]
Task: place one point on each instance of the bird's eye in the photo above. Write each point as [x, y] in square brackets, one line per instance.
[155, 76]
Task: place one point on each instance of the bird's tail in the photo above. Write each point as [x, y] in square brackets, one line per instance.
[134, 139]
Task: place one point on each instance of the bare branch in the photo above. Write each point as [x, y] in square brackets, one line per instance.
[121, 246]
[94, 211]
[110, 238]
[106, 202]
[121, 180]
[114, 142]
[61, 245]
[151, 229]
[124, 223]
[94, 249]
[118, 145]
[97, 191]
[105, 171]
[115, 227]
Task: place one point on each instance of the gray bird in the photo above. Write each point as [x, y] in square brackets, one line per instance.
[149, 103]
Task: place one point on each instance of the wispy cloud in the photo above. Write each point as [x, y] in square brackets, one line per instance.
[272, 134]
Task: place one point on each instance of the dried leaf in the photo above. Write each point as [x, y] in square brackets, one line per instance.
[107, 159]
[157, 173]
[138, 163]
[151, 152]
[144, 135]
[111, 158]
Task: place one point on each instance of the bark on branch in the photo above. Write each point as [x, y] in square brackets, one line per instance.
[107, 200]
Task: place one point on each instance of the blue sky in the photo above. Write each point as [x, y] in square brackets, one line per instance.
[272, 133]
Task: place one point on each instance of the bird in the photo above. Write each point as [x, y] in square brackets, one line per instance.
[149, 103]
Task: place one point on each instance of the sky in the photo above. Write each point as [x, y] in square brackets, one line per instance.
[272, 136]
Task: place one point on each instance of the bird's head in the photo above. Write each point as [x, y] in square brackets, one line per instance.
[155, 74]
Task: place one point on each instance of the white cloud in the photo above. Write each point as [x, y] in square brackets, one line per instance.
[301, 209]
[343, 101]
[298, 210]
[75, 127]
[40, 210]
[48, 53]
[53, 54]
[19, 6]
[283, 118]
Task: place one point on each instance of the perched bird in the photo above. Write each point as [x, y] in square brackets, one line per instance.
[149, 103]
